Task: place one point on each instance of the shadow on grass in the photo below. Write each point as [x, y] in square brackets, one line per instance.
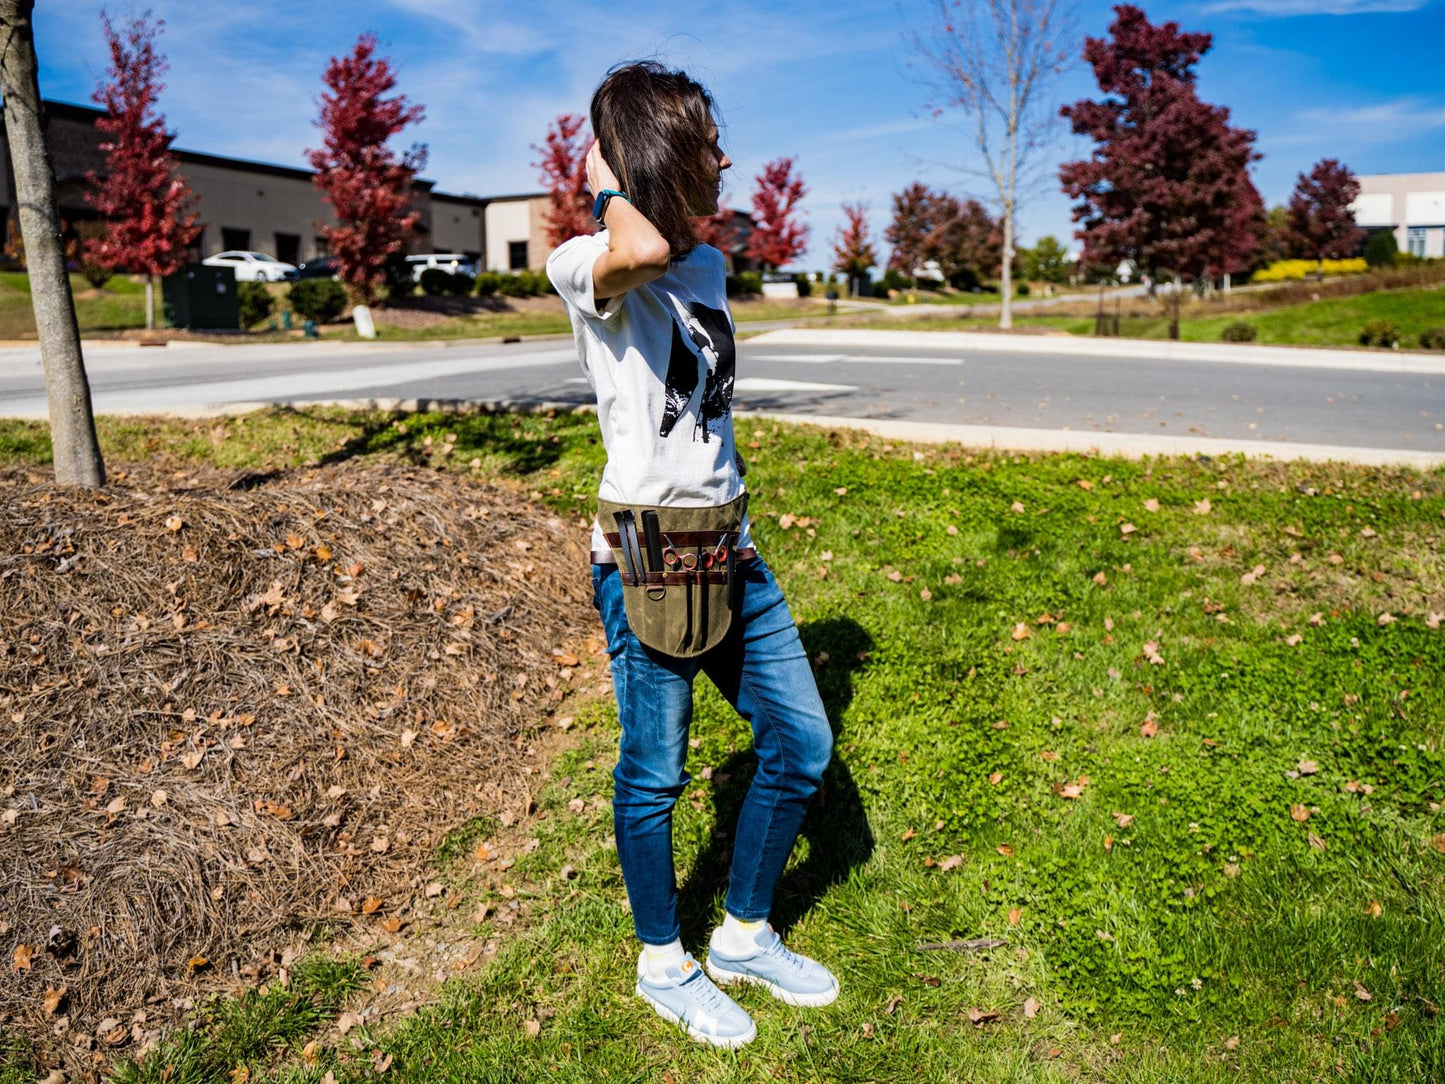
[503, 436]
[836, 827]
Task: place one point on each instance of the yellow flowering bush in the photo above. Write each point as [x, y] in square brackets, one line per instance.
[1286, 270]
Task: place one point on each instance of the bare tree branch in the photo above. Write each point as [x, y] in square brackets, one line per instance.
[995, 61]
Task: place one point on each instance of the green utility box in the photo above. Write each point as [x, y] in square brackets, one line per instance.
[202, 298]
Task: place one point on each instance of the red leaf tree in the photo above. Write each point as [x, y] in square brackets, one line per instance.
[963, 238]
[723, 230]
[366, 183]
[1321, 223]
[777, 235]
[907, 233]
[1167, 186]
[562, 166]
[853, 251]
[959, 235]
[146, 204]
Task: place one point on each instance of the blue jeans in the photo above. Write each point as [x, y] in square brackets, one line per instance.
[762, 670]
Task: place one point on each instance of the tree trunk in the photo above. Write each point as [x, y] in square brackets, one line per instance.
[1006, 278]
[74, 448]
[150, 302]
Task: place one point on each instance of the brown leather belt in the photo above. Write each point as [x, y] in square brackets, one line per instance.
[702, 539]
[605, 557]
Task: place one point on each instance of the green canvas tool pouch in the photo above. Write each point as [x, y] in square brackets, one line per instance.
[679, 566]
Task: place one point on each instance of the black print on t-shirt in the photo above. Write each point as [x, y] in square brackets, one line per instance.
[710, 332]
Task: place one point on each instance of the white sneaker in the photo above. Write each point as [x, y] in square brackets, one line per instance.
[689, 998]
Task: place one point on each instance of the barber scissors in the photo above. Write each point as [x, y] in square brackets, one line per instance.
[689, 561]
[672, 559]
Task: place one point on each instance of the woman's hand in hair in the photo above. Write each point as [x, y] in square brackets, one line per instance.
[599, 173]
[636, 253]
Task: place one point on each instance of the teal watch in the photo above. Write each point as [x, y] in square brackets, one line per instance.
[599, 206]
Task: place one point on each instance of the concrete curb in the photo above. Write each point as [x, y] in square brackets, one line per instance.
[1119, 349]
[1011, 438]
[1127, 445]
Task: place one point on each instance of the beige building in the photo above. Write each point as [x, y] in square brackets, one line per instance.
[1409, 205]
[277, 210]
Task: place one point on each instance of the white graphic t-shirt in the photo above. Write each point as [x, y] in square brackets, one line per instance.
[661, 359]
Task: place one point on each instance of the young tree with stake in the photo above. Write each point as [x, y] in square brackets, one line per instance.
[366, 183]
[75, 451]
[562, 167]
[146, 204]
[995, 61]
[853, 251]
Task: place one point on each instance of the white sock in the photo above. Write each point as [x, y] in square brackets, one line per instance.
[736, 936]
[655, 959]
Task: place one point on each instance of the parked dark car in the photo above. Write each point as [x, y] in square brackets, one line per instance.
[323, 267]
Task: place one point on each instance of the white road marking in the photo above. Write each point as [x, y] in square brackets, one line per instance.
[860, 359]
[764, 383]
[288, 385]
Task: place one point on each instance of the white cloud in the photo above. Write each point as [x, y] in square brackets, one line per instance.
[1285, 8]
[1377, 123]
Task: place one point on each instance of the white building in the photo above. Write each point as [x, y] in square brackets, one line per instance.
[1410, 205]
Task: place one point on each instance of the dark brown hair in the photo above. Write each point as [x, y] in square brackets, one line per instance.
[652, 124]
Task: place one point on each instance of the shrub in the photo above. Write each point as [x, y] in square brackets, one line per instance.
[965, 279]
[397, 278]
[1434, 339]
[1287, 270]
[435, 282]
[322, 300]
[805, 284]
[1381, 249]
[459, 284]
[746, 284]
[1241, 331]
[881, 290]
[518, 285]
[95, 274]
[487, 283]
[1380, 333]
[895, 280]
[1024, 289]
[256, 303]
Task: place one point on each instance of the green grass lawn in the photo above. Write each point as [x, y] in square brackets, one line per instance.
[1198, 803]
[1329, 322]
[121, 305]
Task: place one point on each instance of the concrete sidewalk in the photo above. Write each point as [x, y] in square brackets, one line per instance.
[1127, 445]
[1381, 361]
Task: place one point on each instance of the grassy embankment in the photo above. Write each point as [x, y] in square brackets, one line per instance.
[120, 308]
[1330, 321]
[1196, 798]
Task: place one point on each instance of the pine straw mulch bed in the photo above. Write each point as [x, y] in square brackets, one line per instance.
[232, 707]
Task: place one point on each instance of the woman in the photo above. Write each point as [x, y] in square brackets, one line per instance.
[649, 310]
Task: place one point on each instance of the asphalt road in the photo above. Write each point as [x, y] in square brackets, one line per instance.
[1040, 391]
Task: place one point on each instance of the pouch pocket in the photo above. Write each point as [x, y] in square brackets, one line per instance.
[680, 598]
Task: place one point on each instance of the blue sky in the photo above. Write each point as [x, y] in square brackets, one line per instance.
[830, 84]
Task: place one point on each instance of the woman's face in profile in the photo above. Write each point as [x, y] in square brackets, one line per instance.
[714, 162]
